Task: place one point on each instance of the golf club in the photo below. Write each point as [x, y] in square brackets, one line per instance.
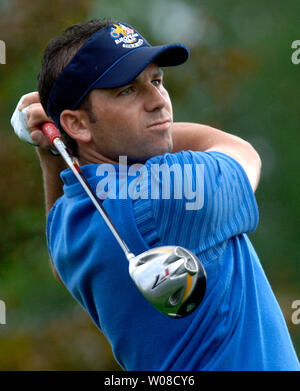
[171, 278]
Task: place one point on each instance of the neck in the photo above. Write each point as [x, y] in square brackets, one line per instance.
[90, 156]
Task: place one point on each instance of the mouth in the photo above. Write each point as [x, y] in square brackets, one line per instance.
[160, 125]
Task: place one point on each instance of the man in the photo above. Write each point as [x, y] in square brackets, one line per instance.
[102, 85]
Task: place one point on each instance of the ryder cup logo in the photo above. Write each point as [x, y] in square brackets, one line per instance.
[2, 52]
[125, 35]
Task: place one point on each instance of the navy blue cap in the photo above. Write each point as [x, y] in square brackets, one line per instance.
[112, 57]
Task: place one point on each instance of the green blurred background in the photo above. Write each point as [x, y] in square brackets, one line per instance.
[240, 78]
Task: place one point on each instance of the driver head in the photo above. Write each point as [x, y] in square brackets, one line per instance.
[171, 278]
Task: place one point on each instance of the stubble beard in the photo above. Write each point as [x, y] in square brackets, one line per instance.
[155, 151]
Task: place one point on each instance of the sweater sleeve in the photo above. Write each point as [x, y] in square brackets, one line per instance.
[195, 199]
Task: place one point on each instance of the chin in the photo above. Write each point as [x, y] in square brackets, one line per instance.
[161, 150]
[169, 146]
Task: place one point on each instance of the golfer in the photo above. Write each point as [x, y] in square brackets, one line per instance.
[101, 83]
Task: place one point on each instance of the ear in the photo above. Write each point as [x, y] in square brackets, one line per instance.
[76, 124]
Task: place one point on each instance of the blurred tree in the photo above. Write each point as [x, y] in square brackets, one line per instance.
[46, 329]
[240, 78]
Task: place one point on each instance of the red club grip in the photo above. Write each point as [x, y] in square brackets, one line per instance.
[51, 131]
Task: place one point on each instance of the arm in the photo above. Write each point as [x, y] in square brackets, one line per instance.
[51, 165]
[196, 137]
[51, 168]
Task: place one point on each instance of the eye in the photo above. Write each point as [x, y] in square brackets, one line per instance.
[157, 82]
[126, 91]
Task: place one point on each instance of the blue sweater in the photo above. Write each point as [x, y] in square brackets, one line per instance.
[239, 324]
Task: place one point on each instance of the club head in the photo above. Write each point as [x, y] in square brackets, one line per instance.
[171, 278]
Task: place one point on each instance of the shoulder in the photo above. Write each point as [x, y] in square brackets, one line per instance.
[212, 164]
[192, 157]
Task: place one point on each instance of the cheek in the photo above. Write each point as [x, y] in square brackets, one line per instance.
[168, 101]
[113, 122]
[129, 121]
[122, 127]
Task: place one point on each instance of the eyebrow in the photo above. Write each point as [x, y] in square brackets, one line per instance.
[156, 73]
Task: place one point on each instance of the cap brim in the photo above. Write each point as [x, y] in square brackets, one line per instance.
[129, 67]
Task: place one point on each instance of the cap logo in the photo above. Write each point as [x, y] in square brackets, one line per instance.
[126, 36]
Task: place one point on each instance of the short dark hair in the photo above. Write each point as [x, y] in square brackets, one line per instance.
[57, 55]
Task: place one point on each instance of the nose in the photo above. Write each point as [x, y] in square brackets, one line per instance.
[155, 98]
